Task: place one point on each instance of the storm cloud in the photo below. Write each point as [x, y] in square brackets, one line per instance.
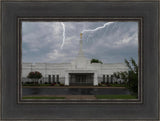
[42, 41]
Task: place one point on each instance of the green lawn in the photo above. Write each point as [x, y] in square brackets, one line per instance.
[115, 97]
[43, 97]
[112, 85]
[117, 85]
[97, 96]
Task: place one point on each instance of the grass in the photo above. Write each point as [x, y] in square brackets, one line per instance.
[115, 97]
[112, 85]
[43, 97]
[117, 85]
[97, 96]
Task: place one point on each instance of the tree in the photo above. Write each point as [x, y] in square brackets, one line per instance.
[34, 76]
[116, 74]
[130, 77]
[96, 61]
[123, 75]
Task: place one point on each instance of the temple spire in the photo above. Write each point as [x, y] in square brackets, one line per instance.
[81, 36]
[81, 44]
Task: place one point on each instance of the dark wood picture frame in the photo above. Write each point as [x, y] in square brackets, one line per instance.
[146, 110]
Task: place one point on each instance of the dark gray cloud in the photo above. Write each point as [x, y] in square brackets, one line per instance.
[41, 41]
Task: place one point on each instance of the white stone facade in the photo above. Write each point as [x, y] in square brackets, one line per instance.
[80, 65]
[64, 69]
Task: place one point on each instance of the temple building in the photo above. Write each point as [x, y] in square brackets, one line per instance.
[79, 71]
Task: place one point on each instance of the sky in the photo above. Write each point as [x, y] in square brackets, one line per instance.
[58, 42]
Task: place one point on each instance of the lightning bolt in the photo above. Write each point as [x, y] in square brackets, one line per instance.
[89, 30]
[101, 27]
[63, 26]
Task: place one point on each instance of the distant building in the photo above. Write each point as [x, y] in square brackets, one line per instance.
[78, 72]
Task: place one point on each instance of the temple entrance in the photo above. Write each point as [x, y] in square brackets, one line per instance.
[81, 79]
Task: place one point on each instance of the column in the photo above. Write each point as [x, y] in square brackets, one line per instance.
[67, 79]
[109, 79]
[95, 82]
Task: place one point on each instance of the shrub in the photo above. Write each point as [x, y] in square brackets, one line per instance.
[108, 85]
[99, 84]
[53, 84]
[102, 82]
[34, 76]
[61, 84]
[96, 61]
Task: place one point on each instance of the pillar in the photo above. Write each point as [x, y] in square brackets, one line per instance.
[95, 82]
[67, 79]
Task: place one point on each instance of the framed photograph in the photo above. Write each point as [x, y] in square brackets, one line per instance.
[86, 71]
[82, 60]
